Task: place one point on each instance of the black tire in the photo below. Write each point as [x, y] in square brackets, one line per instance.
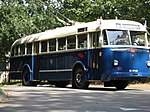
[79, 79]
[26, 78]
[120, 85]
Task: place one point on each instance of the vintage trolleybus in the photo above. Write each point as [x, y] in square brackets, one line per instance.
[112, 51]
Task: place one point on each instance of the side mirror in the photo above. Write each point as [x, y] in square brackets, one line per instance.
[7, 55]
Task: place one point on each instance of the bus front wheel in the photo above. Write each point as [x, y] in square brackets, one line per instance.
[79, 79]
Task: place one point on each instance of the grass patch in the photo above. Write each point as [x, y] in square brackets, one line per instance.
[15, 82]
[1, 91]
[12, 82]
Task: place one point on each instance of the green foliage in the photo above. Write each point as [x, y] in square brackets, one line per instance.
[19, 18]
[1, 91]
[12, 82]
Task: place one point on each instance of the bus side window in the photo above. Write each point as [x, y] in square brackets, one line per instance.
[16, 49]
[44, 46]
[36, 48]
[82, 41]
[95, 37]
[71, 42]
[52, 45]
[29, 48]
[62, 44]
[22, 49]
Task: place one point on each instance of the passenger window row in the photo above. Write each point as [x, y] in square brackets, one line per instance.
[57, 44]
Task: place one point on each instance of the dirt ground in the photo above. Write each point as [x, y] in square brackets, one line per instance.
[139, 86]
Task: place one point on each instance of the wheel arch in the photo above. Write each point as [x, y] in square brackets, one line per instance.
[78, 64]
[31, 81]
[83, 83]
[26, 67]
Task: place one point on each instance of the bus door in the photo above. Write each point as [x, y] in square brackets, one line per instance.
[95, 63]
[96, 55]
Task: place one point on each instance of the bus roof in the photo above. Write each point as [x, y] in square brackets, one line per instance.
[82, 27]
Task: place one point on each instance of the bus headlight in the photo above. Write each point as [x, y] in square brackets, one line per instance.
[148, 63]
[115, 63]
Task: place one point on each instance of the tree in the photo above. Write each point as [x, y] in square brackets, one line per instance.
[19, 18]
[88, 10]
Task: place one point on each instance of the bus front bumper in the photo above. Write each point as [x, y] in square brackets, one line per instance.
[129, 76]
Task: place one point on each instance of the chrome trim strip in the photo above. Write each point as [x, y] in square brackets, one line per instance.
[136, 50]
[142, 50]
[15, 71]
[119, 49]
[60, 70]
[124, 46]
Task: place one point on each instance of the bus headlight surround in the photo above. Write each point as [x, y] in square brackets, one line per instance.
[115, 62]
[148, 63]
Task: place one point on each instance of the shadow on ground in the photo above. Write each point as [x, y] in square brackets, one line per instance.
[52, 99]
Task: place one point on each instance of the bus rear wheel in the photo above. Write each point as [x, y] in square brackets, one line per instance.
[26, 78]
[120, 84]
[79, 79]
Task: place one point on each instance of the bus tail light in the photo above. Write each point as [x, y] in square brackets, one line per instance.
[115, 62]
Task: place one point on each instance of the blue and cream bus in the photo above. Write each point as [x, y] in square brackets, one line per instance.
[112, 51]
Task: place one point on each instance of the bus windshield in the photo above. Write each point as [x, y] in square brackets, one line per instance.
[118, 37]
[137, 38]
[121, 37]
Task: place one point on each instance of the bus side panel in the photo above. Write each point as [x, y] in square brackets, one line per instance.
[55, 76]
[71, 58]
[53, 67]
[59, 66]
[16, 66]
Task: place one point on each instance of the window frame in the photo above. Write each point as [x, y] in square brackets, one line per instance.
[53, 46]
[22, 53]
[29, 51]
[44, 46]
[85, 45]
[63, 46]
[72, 37]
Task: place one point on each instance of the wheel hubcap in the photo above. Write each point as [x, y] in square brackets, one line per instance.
[79, 78]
